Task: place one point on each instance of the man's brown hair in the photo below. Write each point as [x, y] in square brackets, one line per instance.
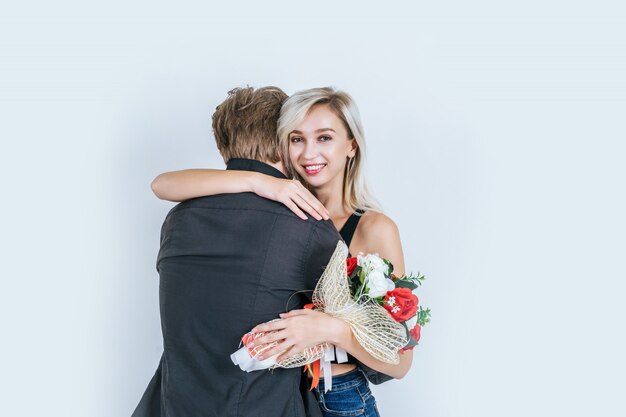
[245, 124]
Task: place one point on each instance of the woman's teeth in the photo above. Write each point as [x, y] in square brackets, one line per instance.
[313, 169]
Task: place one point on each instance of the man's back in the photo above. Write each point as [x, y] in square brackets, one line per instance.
[227, 263]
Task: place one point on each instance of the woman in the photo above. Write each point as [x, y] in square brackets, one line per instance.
[322, 138]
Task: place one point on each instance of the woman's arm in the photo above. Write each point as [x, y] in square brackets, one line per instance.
[306, 328]
[191, 183]
[300, 329]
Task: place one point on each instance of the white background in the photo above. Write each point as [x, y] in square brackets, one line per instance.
[496, 142]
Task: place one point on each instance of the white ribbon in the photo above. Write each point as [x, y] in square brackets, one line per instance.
[325, 364]
[248, 363]
[327, 372]
[342, 355]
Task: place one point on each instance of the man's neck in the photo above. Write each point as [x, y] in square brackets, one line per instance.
[278, 165]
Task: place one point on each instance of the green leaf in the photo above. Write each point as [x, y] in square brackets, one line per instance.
[405, 284]
[423, 316]
[409, 281]
[389, 265]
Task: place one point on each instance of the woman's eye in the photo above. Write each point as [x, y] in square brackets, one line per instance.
[325, 138]
[295, 139]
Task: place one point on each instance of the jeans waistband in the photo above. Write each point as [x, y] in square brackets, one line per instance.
[347, 380]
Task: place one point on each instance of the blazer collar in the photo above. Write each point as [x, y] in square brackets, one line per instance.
[241, 164]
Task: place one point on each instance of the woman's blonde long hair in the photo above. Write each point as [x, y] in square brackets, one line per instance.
[356, 194]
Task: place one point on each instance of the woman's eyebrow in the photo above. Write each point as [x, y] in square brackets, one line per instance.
[316, 131]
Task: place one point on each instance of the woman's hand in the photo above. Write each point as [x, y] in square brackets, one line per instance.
[298, 330]
[291, 193]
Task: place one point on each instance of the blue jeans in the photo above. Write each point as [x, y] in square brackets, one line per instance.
[350, 396]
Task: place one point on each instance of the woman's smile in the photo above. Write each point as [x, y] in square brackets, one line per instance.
[313, 169]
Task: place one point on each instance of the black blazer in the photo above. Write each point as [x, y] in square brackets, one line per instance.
[227, 263]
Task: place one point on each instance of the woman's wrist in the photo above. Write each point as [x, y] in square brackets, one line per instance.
[341, 333]
[253, 181]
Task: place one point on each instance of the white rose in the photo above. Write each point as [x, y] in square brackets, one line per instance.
[390, 285]
[376, 284]
[373, 262]
[377, 263]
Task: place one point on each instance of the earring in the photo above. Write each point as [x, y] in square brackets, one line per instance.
[350, 162]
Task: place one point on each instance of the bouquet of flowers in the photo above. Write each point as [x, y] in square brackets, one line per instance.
[380, 308]
[371, 278]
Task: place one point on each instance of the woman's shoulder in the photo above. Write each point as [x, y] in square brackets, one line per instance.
[376, 222]
[378, 230]
[378, 233]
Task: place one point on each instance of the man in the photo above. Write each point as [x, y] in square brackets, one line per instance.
[227, 263]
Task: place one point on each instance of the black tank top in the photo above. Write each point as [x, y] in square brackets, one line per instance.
[348, 229]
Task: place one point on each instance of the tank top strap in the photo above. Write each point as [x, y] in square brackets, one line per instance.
[348, 229]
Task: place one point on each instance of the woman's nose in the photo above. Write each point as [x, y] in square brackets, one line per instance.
[310, 150]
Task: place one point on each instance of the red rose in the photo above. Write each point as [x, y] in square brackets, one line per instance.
[416, 332]
[401, 303]
[351, 264]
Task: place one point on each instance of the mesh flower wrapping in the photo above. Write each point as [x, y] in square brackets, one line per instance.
[371, 324]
